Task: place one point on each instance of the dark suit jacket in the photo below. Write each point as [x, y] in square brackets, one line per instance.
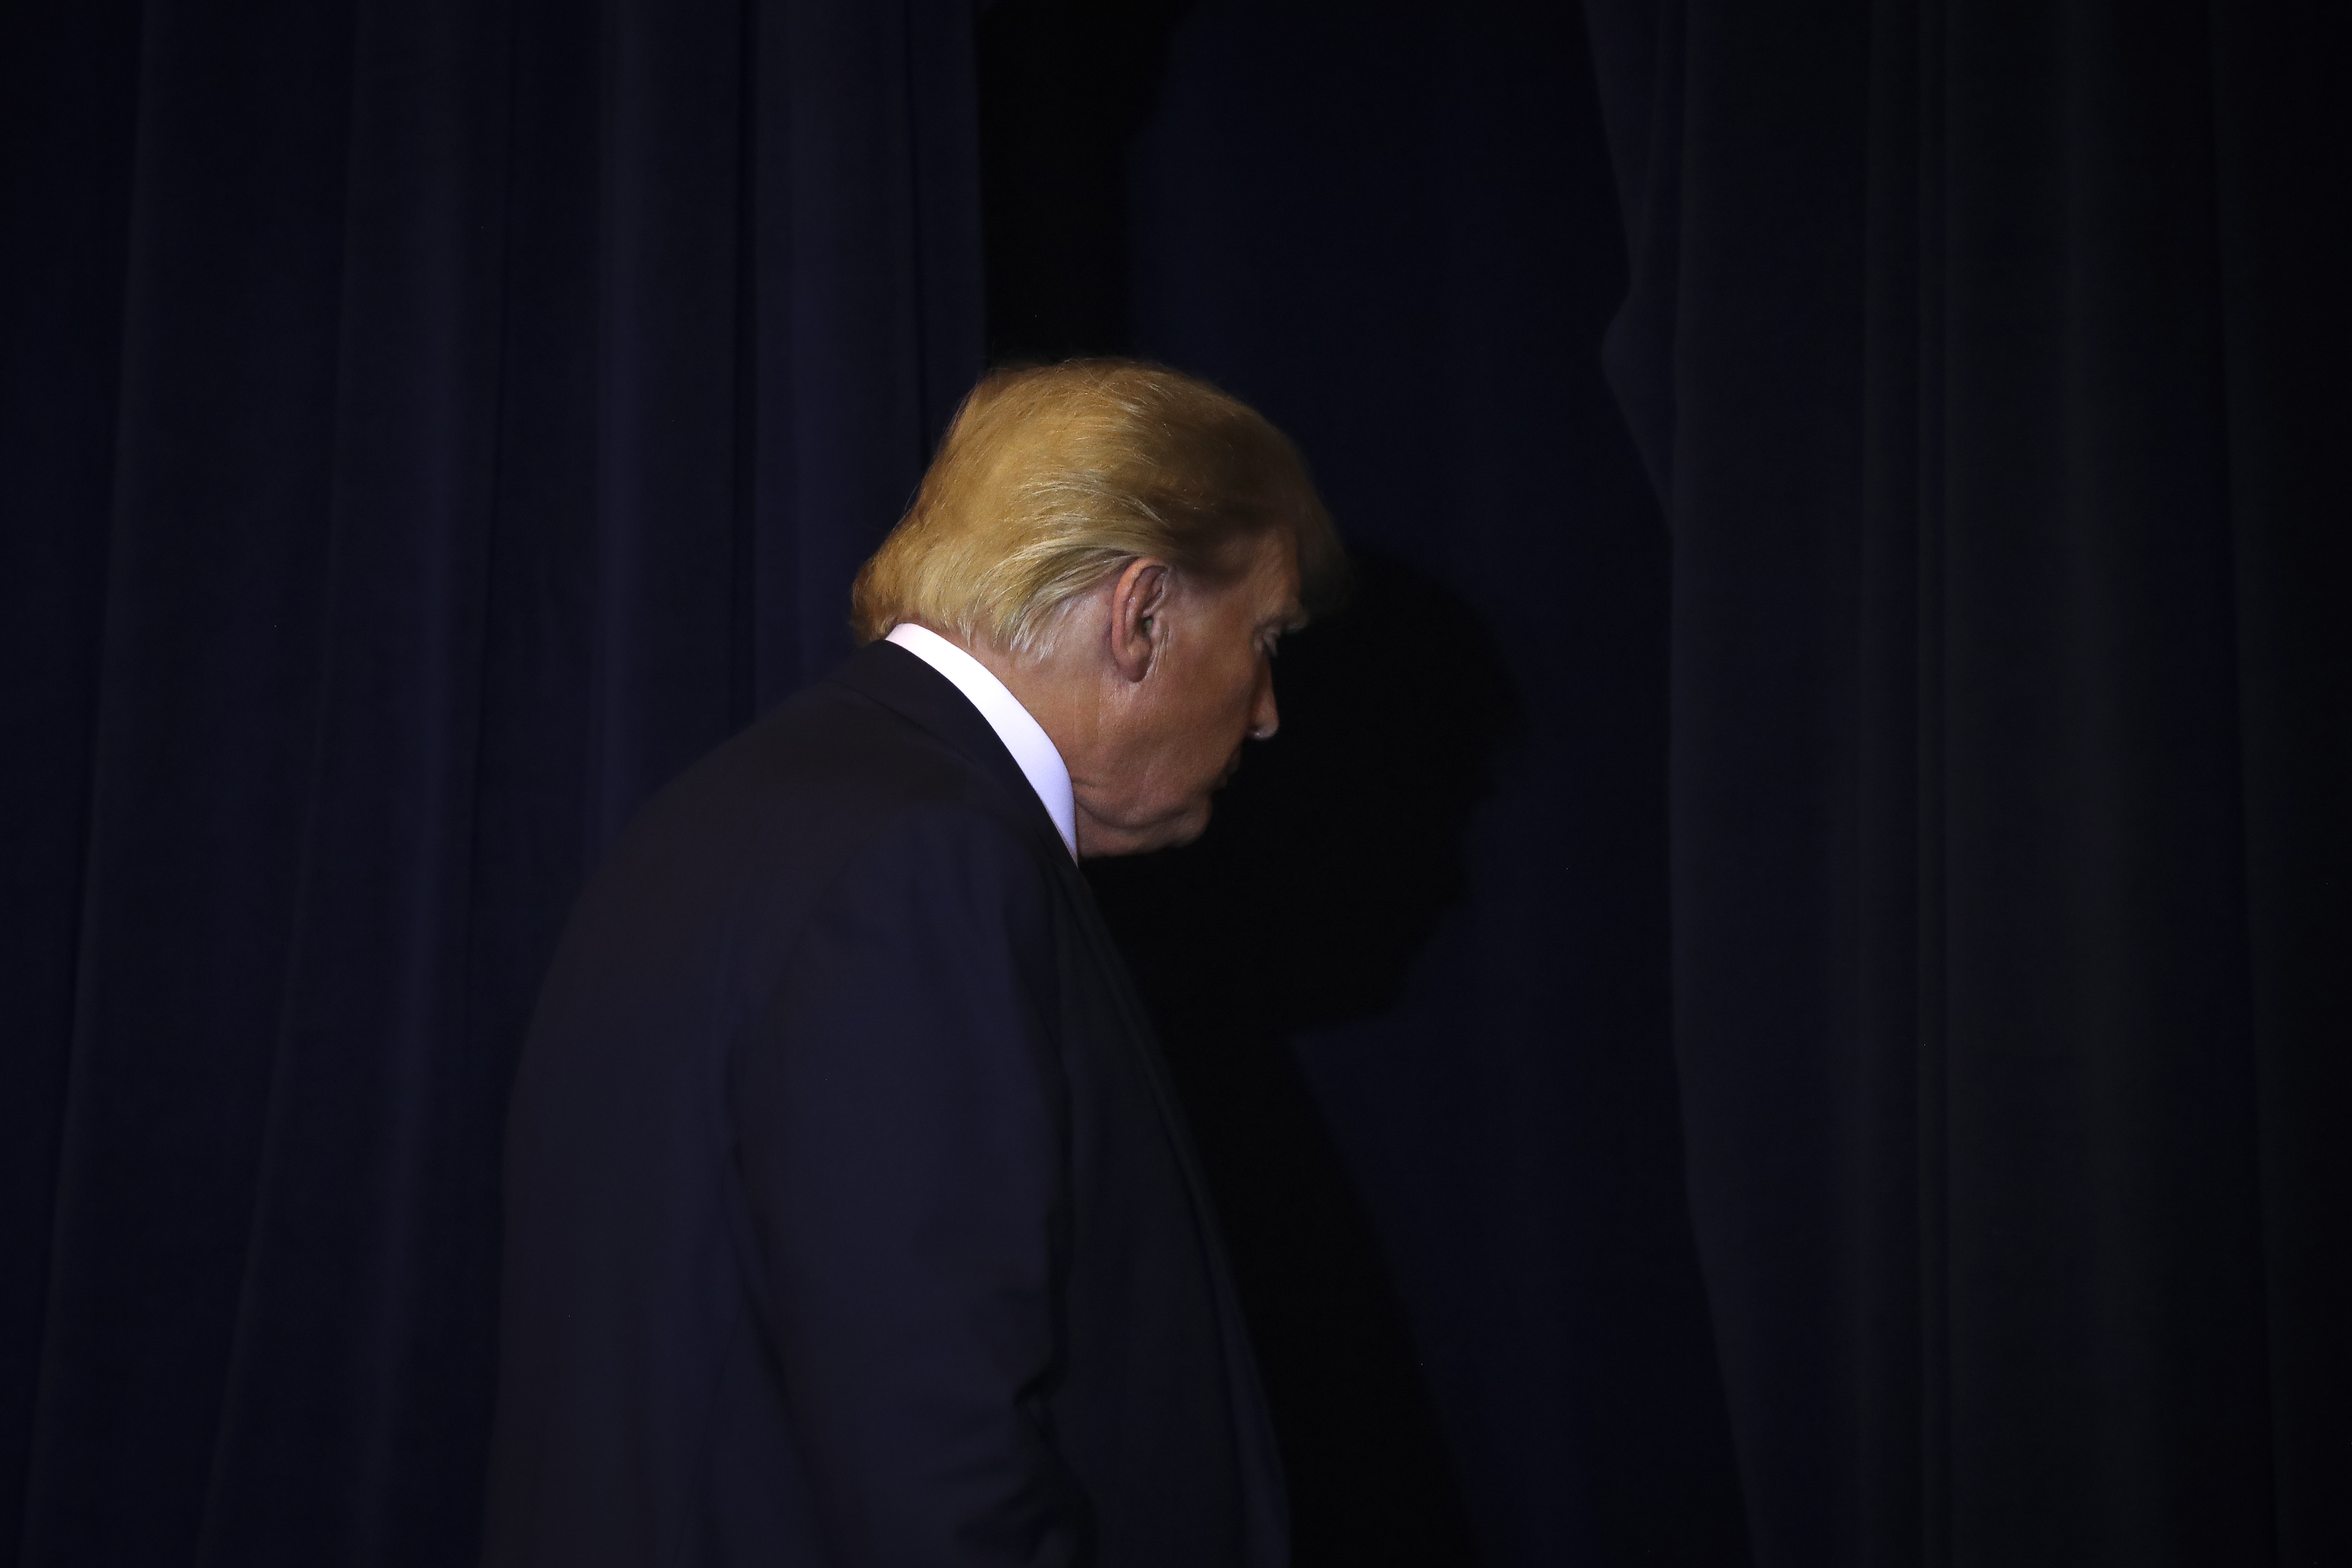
[850, 1215]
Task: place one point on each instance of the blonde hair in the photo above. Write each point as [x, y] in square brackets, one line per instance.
[1052, 477]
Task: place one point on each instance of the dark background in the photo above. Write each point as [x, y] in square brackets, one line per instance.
[1778, 998]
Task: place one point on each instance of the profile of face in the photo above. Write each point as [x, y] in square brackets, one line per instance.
[1185, 675]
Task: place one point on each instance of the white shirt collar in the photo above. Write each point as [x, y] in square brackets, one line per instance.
[1041, 761]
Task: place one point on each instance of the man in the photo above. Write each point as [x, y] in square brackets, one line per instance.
[851, 1220]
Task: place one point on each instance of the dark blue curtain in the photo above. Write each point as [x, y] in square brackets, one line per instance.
[423, 428]
[1995, 365]
[1809, 1035]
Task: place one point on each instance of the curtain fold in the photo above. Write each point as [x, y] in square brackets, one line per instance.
[1989, 360]
[426, 427]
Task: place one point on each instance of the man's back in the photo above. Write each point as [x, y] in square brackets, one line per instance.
[850, 1220]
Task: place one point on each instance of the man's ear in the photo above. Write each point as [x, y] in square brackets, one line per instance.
[1139, 609]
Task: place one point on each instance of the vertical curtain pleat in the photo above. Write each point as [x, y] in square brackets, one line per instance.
[350, 1204]
[1984, 356]
[490, 402]
[74, 82]
[206, 708]
[2282, 131]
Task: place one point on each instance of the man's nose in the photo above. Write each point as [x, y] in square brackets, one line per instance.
[1264, 717]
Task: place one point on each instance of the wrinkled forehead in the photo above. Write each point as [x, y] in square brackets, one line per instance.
[1277, 571]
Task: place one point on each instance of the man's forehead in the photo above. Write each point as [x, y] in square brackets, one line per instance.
[1281, 610]
[1278, 577]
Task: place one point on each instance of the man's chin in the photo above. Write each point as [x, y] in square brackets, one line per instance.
[1166, 833]
[1193, 824]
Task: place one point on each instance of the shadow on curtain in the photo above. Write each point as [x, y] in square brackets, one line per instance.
[1444, 1094]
